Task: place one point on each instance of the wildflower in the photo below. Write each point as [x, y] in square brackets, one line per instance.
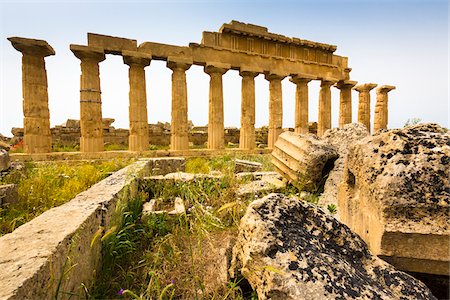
[173, 281]
[120, 292]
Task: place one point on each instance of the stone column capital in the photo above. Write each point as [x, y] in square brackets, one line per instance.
[366, 87]
[216, 68]
[301, 78]
[324, 83]
[136, 58]
[248, 71]
[345, 84]
[179, 63]
[384, 89]
[273, 76]
[88, 53]
[31, 46]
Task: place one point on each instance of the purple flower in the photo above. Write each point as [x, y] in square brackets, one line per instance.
[120, 292]
[173, 281]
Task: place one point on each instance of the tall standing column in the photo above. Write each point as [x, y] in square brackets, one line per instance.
[36, 122]
[381, 107]
[324, 122]
[247, 139]
[301, 103]
[364, 103]
[137, 61]
[90, 97]
[275, 108]
[179, 139]
[216, 128]
[345, 103]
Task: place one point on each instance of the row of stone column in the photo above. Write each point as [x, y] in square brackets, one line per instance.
[36, 114]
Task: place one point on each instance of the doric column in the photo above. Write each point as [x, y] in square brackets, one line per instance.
[301, 102]
[90, 98]
[381, 107]
[179, 139]
[324, 122]
[36, 122]
[345, 103]
[216, 129]
[364, 103]
[275, 108]
[247, 139]
[137, 61]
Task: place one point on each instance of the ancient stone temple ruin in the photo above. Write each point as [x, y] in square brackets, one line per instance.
[249, 49]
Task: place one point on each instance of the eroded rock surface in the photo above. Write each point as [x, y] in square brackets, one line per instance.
[289, 249]
[396, 196]
[341, 139]
[5, 162]
[303, 159]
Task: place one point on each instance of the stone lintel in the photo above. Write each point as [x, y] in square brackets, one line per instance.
[31, 46]
[366, 87]
[88, 52]
[301, 78]
[136, 58]
[345, 84]
[385, 89]
[216, 67]
[111, 44]
[179, 62]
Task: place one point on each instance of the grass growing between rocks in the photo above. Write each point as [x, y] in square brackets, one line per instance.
[43, 186]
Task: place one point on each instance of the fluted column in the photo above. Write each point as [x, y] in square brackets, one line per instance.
[345, 103]
[137, 61]
[179, 139]
[247, 139]
[381, 107]
[364, 103]
[36, 122]
[324, 122]
[301, 102]
[275, 108]
[90, 98]
[216, 128]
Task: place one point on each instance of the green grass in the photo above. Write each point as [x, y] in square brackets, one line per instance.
[43, 186]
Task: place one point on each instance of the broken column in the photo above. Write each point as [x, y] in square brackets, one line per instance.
[301, 102]
[247, 139]
[275, 108]
[364, 103]
[381, 107]
[324, 122]
[216, 128]
[345, 103]
[36, 121]
[179, 139]
[90, 97]
[137, 61]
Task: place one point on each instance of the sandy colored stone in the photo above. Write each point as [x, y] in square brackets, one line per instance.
[303, 160]
[324, 121]
[5, 161]
[247, 138]
[301, 102]
[345, 101]
[275, 108]
[8, 194]
[396, 196]
[36, 121]
[289, 249]
[90, 97]
[364, 103]
[242, 165]
[381, 107]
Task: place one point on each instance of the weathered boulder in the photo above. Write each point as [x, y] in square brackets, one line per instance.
[341, 139]
[246, 166]
[4, 145]
[289, 249]
[303, 159]
[396, 194]
[5, 162]
[8, 194]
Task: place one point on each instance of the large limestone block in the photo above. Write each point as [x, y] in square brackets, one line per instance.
[341, 139]
[396, 194]
[5, 162]
[303, 159]
[289, 249]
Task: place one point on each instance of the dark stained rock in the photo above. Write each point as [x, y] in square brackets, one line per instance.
[290, 249]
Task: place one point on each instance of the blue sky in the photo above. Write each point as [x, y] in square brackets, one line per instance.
[402, 43]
